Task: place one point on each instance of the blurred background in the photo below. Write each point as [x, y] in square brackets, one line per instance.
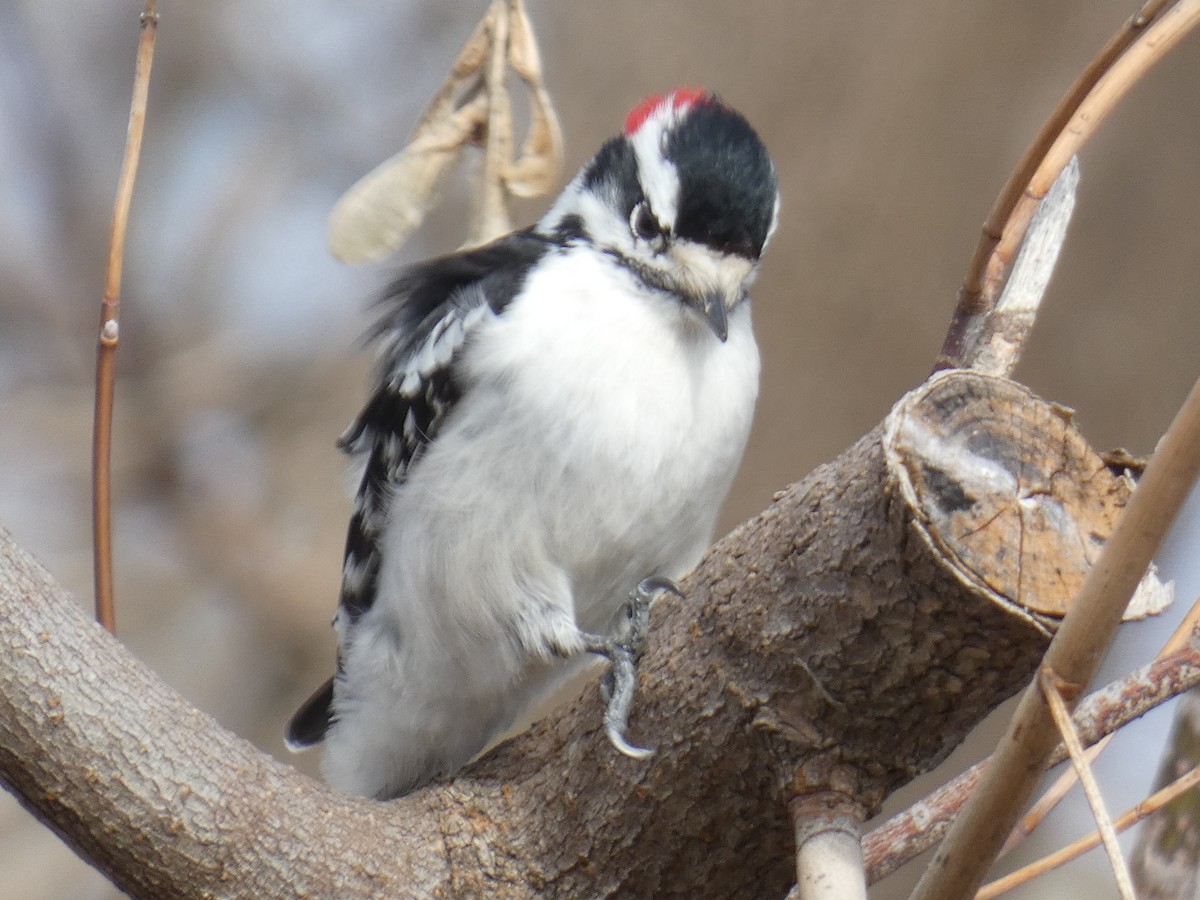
[893, 126]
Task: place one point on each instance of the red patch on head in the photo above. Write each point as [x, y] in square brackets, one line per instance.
[678, 98]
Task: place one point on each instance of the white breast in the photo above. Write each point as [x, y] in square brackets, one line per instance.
[626, 419]
[597, 435]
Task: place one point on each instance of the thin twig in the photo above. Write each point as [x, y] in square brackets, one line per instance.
[1010, 195]
[1050, 686]
[918, 828]
[1154, 43]
[1141, 41]
[492, 216]
[110, 334]
[1051, 798]
[1087, 629]
[1123, 822]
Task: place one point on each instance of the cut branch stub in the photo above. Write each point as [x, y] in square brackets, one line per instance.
[1011, 495]
[1015, 500]
[975, 512]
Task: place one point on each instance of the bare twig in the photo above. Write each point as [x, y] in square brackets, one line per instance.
[916, 829]
[1076, 651]
[1155, 42]
[491, 217]
[1051, 798]
[1143, 40]
[1126, 820]
[1010, 195]
[1051, 688]
[110, 309]
[829, 861]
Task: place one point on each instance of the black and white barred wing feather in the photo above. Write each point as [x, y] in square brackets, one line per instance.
[430, 312]
[415, 394]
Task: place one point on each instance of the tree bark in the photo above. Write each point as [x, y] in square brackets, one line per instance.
[844, 641]
[1166, 861]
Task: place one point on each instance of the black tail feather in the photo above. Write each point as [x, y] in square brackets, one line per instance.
[310, 722]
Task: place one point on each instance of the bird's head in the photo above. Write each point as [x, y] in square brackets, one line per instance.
[685, 198]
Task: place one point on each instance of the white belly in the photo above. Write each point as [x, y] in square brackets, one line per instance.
[593, 449]
[614, 427]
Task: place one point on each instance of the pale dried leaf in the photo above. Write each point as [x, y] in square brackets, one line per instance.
[386, 205]
[383, 208]
[472, 105]
[537, 168]
[1153, 596]
[467, 67]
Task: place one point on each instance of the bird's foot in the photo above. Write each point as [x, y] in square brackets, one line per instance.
[624, 652]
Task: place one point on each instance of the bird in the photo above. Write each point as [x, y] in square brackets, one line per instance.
[555, 421]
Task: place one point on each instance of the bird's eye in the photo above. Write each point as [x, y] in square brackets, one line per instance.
[644, 224]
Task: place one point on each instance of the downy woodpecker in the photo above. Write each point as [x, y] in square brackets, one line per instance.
[556, 420]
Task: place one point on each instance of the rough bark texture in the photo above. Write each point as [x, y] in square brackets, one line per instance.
[829, 644]
[1166, 862]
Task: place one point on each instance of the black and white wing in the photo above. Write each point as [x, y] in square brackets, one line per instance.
[429, 313]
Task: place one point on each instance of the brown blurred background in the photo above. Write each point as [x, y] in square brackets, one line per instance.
[892, 125]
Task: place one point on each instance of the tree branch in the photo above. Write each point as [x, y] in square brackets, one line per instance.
[842, 641]
[110, 328]
[978, 833]
[907, 834]
[1144, 39]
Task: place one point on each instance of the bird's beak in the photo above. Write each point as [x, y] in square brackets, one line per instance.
[712, 307]
[713, 279]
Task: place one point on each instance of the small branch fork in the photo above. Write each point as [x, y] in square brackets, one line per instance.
[979, 320]
[910, 833]
[110, 332]
[1052, 689]
[1152, 804]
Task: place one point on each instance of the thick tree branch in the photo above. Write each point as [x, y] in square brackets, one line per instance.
[843, 641]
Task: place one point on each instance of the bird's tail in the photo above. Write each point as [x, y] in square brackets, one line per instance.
[310, 722]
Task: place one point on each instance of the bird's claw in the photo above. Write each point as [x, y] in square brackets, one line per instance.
[616, 714]
[624, 652]
[638, 610]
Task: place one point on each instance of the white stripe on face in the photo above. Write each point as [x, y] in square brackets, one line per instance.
[659, 178]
